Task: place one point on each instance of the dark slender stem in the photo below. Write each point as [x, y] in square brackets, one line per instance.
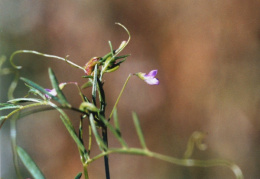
[104, 134]
[102, 100]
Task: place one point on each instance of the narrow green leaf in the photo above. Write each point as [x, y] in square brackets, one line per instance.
[112, 69]
[102, 97]
[94, 87]
[81, 130]
[116, 122]
[78, 176]
[118, 63]
[41, 89]
[139, 130]
[55, 85]
[8, 106]
[111, 47]
[25, 100]
[122, 56]
[99, 141]
[83, 155]
[35, 91]
[86, 85]
[29, 163]
[119, 96]
[85, 98]
[72, 132]
[114, 131]
[104, 58]
[87, 76]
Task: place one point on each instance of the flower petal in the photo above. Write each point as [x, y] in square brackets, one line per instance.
[151, 81]
[152, 73]
[52, 92]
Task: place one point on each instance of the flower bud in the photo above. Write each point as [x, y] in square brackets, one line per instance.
[122, 45]
[86, 106]
[112, 69]
[89, 67]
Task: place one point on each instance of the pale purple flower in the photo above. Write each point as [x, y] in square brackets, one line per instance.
[61, 86]
[52, 92]
[149, 78]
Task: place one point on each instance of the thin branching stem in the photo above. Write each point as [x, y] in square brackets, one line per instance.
[119, 96]
[21, 108]
[13, 139]
[181, 162]
[106, 162]
[45, 55]
[104, 68]
[85, 170]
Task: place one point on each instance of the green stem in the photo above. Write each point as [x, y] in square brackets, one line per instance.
[104, 134]
[85, 171]
[21, 108]
[119, 96]
[90, 139]
[104, 68]
[182, 162]
[45, 55]
[102, 101]
[13, 139]
[66, 121]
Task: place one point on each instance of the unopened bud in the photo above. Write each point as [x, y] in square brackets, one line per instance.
[112, 69]
[122, 45]
[89, 67]
[86, 106]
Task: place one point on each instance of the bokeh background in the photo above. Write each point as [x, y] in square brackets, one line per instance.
[208, 57]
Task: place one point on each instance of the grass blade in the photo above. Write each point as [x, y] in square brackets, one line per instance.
[55, 85]
[8, 106]
[116, 132]
[20, 100]
[139, 130]
[29, 163]
[86, 85]
[111, 47]
[99, 141]
[72, 132]
[78, 176]
[94, 87]
[115, 117]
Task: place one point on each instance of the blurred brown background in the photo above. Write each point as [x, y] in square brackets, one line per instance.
[208, 57]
